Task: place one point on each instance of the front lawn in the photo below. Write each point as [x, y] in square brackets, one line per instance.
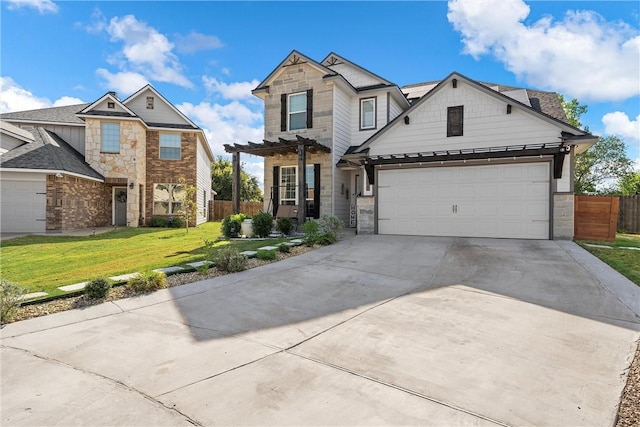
[42, 263]
[626, 261]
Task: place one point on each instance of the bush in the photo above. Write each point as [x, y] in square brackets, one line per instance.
[325, 231]
[332, 225]
[97, 288]
[158, 221]
[229, 259]
[311, 230]
[284, 225]
[10, 299]
[266, 255]
[284, 248]
[231, 225]
[262, 224]
[175, 222]
[147, 282]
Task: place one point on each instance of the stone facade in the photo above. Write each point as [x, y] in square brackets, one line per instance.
[129, 163]
[163, 171]
[365, 206]
[74, 203]
[563, 210]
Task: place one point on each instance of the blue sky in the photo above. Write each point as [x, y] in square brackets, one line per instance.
[206, 56]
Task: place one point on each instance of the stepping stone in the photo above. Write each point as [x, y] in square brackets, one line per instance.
[296, 242]
[76, 287]
[249, 254]
[33, 295]
[123, 277]
[268, 248]
[630, 247]
[598, 246]
[198, 264]
[275, 235]
[168, 270]
[291, 244]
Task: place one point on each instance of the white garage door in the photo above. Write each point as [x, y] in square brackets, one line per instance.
[23, 203]
[506, 201]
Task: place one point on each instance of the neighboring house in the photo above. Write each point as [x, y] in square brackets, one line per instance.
[454, 158]
[110, 162]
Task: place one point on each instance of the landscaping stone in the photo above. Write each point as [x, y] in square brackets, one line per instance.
[275, 235]
[168, 270]
[296, 242]
[630, 247]
[268, 248]
[123, 277]
[249, 254]
[598, 246]
[33, 295]
[198, 264]
[75, 287]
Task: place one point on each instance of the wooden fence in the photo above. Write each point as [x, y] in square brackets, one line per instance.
[218, 209]
[596, 218]
[629, 214]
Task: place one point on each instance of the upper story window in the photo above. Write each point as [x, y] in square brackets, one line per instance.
[110, 135]
[170, 146]
[149, 102]
[111, 105]
[296, 111]
[455, 116]
[367, 113]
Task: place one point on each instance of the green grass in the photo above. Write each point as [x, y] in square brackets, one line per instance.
[42, 263]
[626, 261]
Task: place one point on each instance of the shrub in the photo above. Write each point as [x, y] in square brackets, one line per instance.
[97, 288]
[311, 230]
[332, 225]
[147, 282]
[262, 224]
[10, 298]
[175, 222]
[158, 221]
[229, 259]
[325, 231]
[266, 255]
[284, 225]
[284, 248]
[231, 225]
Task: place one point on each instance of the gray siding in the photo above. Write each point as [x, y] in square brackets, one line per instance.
[161, 112]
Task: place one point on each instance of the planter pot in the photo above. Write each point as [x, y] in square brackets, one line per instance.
[247, 228]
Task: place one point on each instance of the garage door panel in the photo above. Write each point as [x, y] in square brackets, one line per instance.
[23, 205]
[492, 201]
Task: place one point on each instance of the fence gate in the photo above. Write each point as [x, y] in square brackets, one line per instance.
[596, 218]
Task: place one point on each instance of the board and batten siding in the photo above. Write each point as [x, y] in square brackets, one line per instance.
[356, 77]
[203, 179]
[341, 142]
[161, 112]
[486, 124]
[73, 135]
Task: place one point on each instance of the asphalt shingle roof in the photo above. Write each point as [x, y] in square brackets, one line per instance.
[66, 114]
[47, 152]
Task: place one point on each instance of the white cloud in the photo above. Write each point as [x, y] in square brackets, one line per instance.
[145, 52]
[583, 55]
[618, 123]
[233, 91]
[43, 6]
[194, 42]
[124, 83]
[13, 97]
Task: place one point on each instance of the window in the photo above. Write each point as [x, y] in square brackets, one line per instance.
[149, 102]
[110, 138]
[167, 198]
[298, 111]
[170, 146]
[111, 105]
[288, 185]
[455, 117]
[368, 113]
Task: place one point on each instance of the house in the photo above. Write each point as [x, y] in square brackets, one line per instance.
[454, 157]
[110, 162]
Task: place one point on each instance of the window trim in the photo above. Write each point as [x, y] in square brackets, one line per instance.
[171, 201]
[375, 113]
[309, 168]
[160, 146]
[289, 112]
[460, 110]
[102, 133]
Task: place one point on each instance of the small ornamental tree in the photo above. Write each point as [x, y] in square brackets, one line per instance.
[188, 205]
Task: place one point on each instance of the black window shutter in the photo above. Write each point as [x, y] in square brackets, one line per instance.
[316, 190]
[309, 108]
[283, 112]
[275, 189]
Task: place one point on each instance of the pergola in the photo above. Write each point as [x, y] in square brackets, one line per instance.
[300, 145]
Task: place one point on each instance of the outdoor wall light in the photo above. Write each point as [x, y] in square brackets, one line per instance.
[131, 185]
[406, 120]
[58, 175]
[508, 108]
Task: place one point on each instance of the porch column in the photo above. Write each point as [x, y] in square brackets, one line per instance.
[302, 183]
[235, 182]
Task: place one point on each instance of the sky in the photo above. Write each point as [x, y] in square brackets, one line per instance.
[206, 56]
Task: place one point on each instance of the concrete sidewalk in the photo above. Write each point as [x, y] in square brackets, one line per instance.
[377, 330]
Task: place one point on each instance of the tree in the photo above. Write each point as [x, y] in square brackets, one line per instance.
[221, 177]
[603, 166]
[188, 205]
[630, 185]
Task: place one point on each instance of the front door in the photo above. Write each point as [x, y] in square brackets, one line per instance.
[120, 206]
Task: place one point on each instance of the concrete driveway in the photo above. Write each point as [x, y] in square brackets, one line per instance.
[376, 330]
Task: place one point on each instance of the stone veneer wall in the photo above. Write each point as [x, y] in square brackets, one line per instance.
[74, 203]
[563, 212]
[162, 171]
[129, 163]
[365, 206]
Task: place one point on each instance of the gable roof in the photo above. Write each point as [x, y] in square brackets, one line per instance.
[169, 104]
[64, 115]
[335, 59]
[107, 97]
[13, 131]
[565, 127]
[48, 153]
